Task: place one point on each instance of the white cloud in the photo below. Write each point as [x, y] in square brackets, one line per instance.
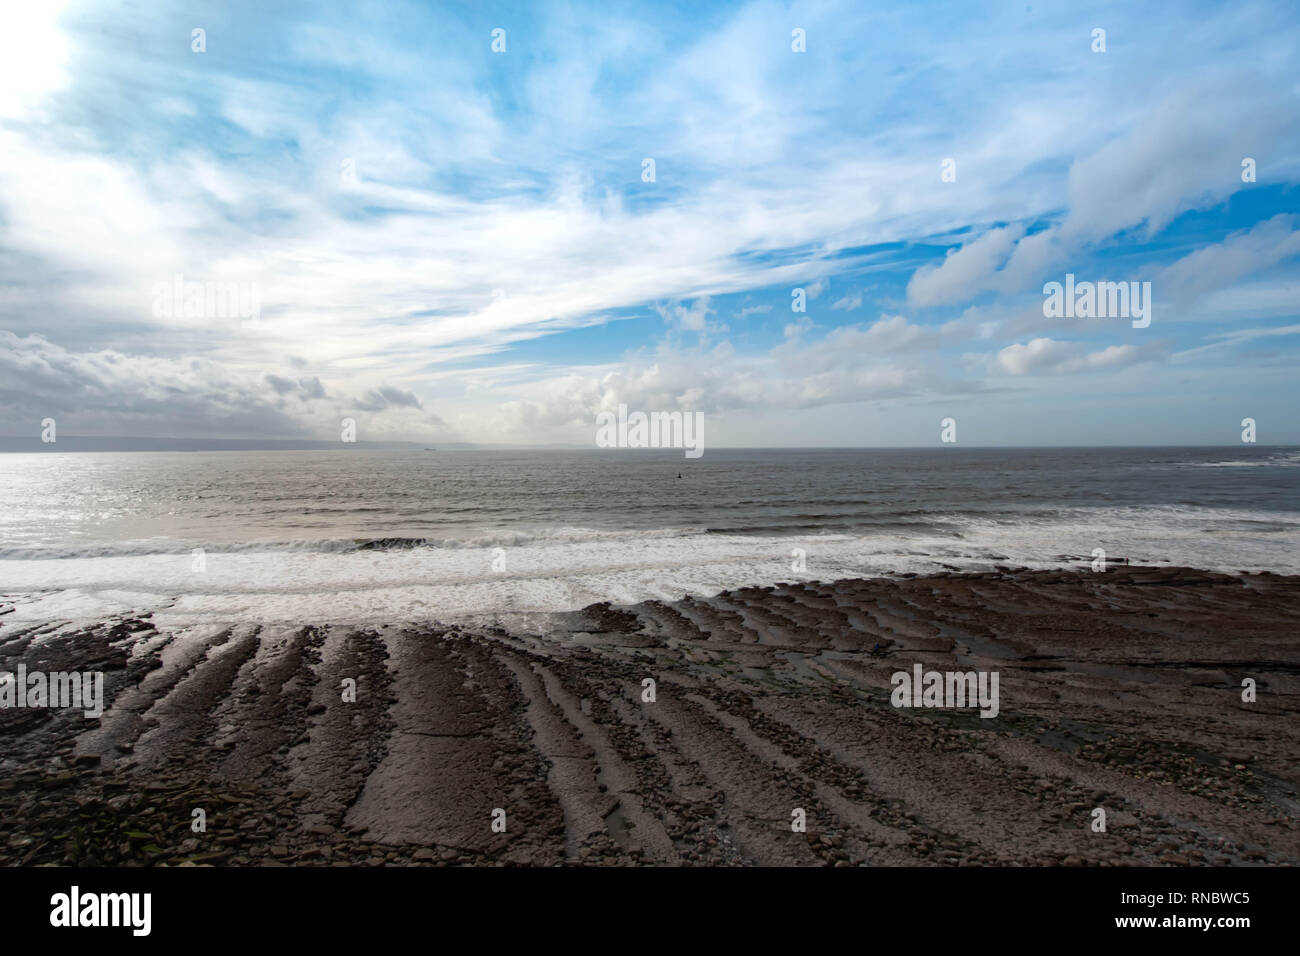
[1174, 157]
[756, 191]
[1223, 263]
[964, 271]
[1239, 336]
[103, 391]
[1177, 157]
[1047, 355]
[688, 318]
[33, 56]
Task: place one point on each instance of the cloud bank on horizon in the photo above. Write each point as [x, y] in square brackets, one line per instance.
[491, 222]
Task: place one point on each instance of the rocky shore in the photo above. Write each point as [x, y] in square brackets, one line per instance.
[329, 745]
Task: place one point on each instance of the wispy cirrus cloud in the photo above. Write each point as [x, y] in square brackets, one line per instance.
[465, 241]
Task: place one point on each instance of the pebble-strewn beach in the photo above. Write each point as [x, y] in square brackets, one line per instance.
[1119, 690]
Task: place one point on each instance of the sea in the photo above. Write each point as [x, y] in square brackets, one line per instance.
[378, 536]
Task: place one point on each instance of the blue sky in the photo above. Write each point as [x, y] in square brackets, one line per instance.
[453, 243]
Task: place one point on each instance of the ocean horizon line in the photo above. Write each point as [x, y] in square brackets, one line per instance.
[21, 444]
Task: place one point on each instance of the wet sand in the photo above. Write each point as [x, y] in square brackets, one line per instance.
[1120, 690]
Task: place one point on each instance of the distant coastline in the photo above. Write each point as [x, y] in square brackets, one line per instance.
[76, 443]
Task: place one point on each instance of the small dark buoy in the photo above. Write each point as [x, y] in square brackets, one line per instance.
[679, 474]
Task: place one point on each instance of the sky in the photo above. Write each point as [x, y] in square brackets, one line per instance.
[489, 222]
